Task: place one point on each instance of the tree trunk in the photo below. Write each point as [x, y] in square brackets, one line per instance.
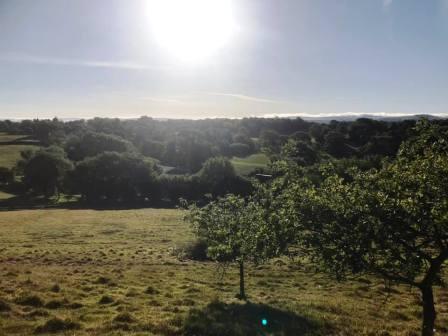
[429, 312]
[242, 295]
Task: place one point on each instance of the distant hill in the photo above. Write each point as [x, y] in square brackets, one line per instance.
[354, 117]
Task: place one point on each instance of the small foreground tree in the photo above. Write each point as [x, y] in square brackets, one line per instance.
[235, 230]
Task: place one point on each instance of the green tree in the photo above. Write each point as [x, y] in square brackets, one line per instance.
[90, 144]
[301, 152]
[218, 175]
[392, 222]
[44, 171]
[235, 230]
[6, 175]
[114, 176]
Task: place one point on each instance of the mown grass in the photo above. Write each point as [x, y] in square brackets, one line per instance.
[244, 166]
[5, 195]
[10, 154]
[86, 272]
[5, 137]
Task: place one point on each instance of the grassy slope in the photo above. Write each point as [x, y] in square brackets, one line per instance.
[5, 195]
[10, 154]
[4, 137]
[119, 254]
[244, 166]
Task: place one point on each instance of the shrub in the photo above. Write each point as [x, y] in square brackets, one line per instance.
[195, 250]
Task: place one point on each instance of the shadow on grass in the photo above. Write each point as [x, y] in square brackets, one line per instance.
[222, 319]
[27, 202]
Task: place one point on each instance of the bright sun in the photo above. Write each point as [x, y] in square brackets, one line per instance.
[192, 30]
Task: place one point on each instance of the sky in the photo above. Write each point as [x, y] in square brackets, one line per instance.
[222, 58]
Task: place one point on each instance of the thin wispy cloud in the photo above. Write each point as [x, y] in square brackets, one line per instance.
[30, 59]
[245, 97]
[162, 100]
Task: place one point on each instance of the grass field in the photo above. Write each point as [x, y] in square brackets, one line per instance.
[4, 137]
[10, 154]
[5, 195]
[86, 272]
[245, 166]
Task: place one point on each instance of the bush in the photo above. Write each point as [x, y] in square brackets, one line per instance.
[195, 250]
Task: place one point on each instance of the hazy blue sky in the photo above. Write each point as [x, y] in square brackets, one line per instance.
[84, 58]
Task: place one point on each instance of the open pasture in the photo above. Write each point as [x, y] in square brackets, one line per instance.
[244, 166]
[87, 272]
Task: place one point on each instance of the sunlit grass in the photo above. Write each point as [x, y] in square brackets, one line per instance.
[5, 195]
[10, 154]
[115, 273]
[4, 137]
[245, 166]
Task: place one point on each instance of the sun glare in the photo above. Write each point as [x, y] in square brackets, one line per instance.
[192, 30]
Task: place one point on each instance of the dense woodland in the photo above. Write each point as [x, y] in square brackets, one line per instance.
[147, 160]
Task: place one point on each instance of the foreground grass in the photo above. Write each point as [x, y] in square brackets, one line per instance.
[244, 166]
[85, 272]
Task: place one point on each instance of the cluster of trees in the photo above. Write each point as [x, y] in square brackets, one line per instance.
[123, 177]
[187, 144]
[390, 221]
[188, 150]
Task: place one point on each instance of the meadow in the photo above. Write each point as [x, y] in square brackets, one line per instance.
[244, 166]
[10, 153]
[120, 272]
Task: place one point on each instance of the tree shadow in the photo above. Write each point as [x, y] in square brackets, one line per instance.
[28, 202]
[249, 319]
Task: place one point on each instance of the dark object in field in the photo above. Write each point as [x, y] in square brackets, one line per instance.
[56, 325]
[105, 300]
[195, 250]
[55, 288]
[31, 300]
[124, 318]
[54, 304]
[75, 305]
[263, 177]
[4, 306]
[151, 290]
[102, 280]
